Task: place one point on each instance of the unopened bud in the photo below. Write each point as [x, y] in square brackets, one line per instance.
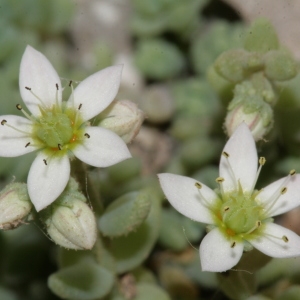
[70, 222]
[254, 120]
[15, 206]
[122, 117]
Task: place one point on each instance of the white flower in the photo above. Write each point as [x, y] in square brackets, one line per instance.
[60, 129]
[238, 215]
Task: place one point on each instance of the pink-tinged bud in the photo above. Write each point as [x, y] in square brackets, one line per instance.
[124, 118]
[72, 226]
[15, 206]
[259, 122]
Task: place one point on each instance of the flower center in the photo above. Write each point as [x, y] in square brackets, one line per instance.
[240, 213]
[54, 129]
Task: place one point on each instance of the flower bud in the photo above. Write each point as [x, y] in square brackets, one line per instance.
[70, 222]
[73, 227]
[15, 206]
[122, 117]
[254, 120]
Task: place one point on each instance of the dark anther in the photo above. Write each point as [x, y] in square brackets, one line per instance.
[59, 146]
[80, 105]
[27, 88]
[56, 86]
[87, 135]
[19, 107]
[45, 162]
[70, 83]
[27, 144]
[3, 122]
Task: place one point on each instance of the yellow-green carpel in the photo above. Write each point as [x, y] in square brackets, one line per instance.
[240, 213]
[54, 129]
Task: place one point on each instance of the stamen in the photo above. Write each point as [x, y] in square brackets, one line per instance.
[233, 244]
[280, 191]
[19, 107]
[27, 144]
[80, 105]
[220, 180]
[70, 83]
[283, 238]
[87, 135]
[45, 162]
[226, 155]
[59, 146]
[56, 86]
[257, 225]
[292, 172]
[29, 89]
[226, 208]
[198, 185]
[4, 122]
[261, 162]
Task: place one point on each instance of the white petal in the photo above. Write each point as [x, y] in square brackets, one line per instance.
[46, 182]
[217, 254]
[285, 202]
[243, 160]
[37, 73]
[272, 244]
[13, 142]
[96, 92]
[103, 149]
[184, 197]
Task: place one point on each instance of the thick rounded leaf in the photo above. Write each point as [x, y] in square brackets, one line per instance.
[83, 281]
[125, 214]
[217, 253]
[241, 165]
[171, 234]
[285, 202]
[38, 81]
[96, 92]
[47, 182]
[185, 198]
[13, 141]
[277, 241]
[147, 291]
[7, 294]
[103, 148]
[131, 250]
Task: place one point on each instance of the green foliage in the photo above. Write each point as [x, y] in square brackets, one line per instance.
[261, 37]
[125, 214]
[208, 45]
[177, 231]
[130, 251]
[83, 281]
[151, 18]
[158, 59]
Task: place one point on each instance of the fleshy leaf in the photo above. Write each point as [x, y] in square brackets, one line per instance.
[132, 250]
[146, 291]
[83, 281]
[125, 214]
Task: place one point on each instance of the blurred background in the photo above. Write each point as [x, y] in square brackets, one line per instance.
[167, 48]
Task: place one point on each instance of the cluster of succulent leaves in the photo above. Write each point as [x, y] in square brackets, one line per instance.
[144, 247]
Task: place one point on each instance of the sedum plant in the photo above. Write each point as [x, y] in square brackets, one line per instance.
[103, 226]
